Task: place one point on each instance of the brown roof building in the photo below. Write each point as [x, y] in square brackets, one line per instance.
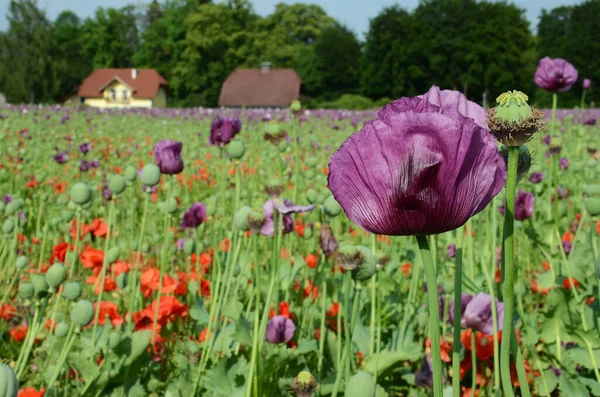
[260, 87]
[124, 88]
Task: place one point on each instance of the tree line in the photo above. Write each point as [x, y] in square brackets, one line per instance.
[481, 48]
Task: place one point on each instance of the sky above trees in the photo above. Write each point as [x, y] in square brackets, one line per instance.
[353, 13]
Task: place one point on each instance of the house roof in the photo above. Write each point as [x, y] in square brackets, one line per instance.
[145, 85]
[253, 87]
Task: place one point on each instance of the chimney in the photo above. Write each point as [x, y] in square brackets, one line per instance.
[265, 67]
[134, 73]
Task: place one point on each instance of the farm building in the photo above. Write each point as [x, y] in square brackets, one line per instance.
[124, 88]
[264, 87]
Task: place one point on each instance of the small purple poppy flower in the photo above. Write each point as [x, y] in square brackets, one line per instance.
[85, 166]
[194, 216]
[536, 177]
[476, 313]
[563, 163]
[524, 204]
[555, 75]
[286, 209]
[566, 247]
[222, 130]
[280, 329]
[401, 175]
[465, 299]
[106, 193]
[180, 244]
[167, 154]
[7, 198]
[452, 251]
[153, 189]
[591, 121]
[60, 158]
[547, 139]
[85, 147]
[587, 84]
[561, 192]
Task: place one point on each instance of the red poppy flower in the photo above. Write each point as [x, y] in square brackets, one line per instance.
[311, 260]
[204, 335]
[31, 392]
[331, 317]
[59, 252]
[110, 310]
[91, 257]
[484, 344]
[446, 349]
[406, 268]
[7, 311]
[19, 332]
[569, 283]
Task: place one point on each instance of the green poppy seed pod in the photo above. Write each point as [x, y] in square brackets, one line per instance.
[72, 291]
[256, 220]
[361, 384]
[130, 173]
[274, 188]
[295, 106]
[113, 254]
[422, 319]
[283, 145]
[236, 149]
[12, 207]
[189, 247]
[56, 275]
[308, 232]
[150, 175]
[304, 384]
[61, 330]
[117, 184]
[26, 290]
[592, 205]
[82, 313]
[592, 190]
[368, 266]
[22, 262]
[171, 205]
[331, 206]
[40, 286]
[71, 206]
[311, 196]
[312, 162]
[81, 193]
[114, 339]
[520, 289]
[273, 127]
[122, 280]
[448, 287]
[9, 384]
[512, 121]
[309, 174]
[66, 216]
[8, 226]
[240, 220]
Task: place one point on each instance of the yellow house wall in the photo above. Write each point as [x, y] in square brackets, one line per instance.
[106, 101]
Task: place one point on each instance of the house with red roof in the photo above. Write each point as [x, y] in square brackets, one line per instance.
[124, 88]
[264, 87]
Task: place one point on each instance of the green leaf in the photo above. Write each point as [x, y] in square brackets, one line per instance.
[546, 383]
[233, 309]
[198, 312]
[572, 387]
[592, 384]
[243, 332]
[385, 359]
[139, 343]
[227, 378]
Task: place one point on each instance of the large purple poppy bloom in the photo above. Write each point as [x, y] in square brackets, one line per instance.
[222, 130]
[194, 216]
[286, 209]
[425, 166]
[524, 204]
[280, 329]
[476, 313]
[555, 75]
[167, 154]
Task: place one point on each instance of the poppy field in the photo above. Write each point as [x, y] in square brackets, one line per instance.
[427, 247]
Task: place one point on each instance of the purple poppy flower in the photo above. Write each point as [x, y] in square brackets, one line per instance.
[465, 299]
[327, 240]
[85, 147]
[566, 247]
[556, 75]
[536, 177]
[587, 84]
[524, 203]
[406, 172]
[95, 164]
[180, 244]
[591, 121]
[222, 130]
[476, 313]
[60, 158]
[85, 166]
[452, 251]
[563, 163]
[106, 193]
[7, 198]
[194, 216]
[167, 154]
[280, 329]
[547, 139]
[286, 209]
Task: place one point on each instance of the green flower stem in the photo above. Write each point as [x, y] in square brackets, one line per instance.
[74, 255]
[70, 339]
[338, 378]
[323, 329]
[136, 264]
[102, 275]
[347, 323]
[33, 331]
[473, 365]
[297, 167]
[26, 342]
[456, 392]
[509, 279]
[42, 248]
[373, 300]
[520, 366]
[583, 100]
[434, 313]
[163, 261]
[554, 105]
[254, 353]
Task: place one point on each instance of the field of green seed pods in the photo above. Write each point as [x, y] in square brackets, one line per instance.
[232, 253]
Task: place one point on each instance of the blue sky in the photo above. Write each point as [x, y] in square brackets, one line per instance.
[354, 13]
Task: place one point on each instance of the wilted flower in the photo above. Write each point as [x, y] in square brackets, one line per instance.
[327, 240]
[194, 216]
[555, 75]
[566, 247]
[280, 329]
[167, 154]
[223, 130]
[536, 177]
[401, 175]
[286, 209]
[476, 313]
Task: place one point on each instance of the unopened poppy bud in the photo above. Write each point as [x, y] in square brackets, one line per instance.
[61, 330]
[113, 254]
[122, 281]
[117, 184]
[130, 173]
[295, 106]
[512, 121]
[56, 275]
[597, 264]
[22, 262]
[312, 162]
[66, 216]
[520, 289]
[304, 384]
[171, 205]
[361, 384]
[331, 206]
[236, 149]
[81, 193]
[592, 205]
[9, 384]
[8, 226]
[273, 127]
[150, 175]
[308, 232]
[309, 174]
[311, 196]
[82, 313]
[26, 290]
[40, 285]
[240, 220]
[72, 291]
[13, 207]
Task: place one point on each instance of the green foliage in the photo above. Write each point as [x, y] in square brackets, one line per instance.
[349, 101]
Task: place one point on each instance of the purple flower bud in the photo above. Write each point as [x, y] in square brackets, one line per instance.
[327, 240]
[84, 166]
[452, 251]
[587, 84]
[180, 244]
[7, 198]
[536, 177]
[280, 329]
[566, 247]
[194, 216]
[563, 163]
